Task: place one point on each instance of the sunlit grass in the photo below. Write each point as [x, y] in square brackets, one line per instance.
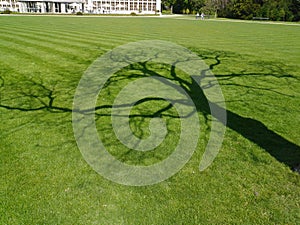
[44, 178]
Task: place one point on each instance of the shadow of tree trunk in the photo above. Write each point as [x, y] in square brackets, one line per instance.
[279, 147]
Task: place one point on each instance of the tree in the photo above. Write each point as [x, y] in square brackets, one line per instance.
[215, 7]
[278, 10]
[287, 10]
[243, 9]
[183, 6]
[294, 8]
[197, 4]
[210, 7]
[169, 4]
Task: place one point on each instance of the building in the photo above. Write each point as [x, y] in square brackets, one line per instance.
[85, 6]
[51, 6]
[11, 5]
[124, 6]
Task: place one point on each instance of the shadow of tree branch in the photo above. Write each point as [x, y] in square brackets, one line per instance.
[255, 131]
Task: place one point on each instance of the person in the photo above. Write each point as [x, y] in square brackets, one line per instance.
[202, 16]
[197, 16]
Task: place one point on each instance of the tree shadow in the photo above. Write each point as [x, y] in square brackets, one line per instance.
[254, 130]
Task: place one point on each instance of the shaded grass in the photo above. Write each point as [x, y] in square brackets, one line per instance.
[45, 180]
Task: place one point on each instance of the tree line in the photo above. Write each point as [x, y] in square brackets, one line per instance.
[283, 10]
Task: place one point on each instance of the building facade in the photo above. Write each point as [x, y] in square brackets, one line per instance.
[12, 5]
[51, 6]
[84, 6]
[124, 6]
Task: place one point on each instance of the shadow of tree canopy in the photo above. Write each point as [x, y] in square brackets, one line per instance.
[39, 96]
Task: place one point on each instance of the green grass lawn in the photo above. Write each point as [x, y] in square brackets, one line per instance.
[44, 178]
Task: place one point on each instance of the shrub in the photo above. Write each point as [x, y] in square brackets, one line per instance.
[6, 11]
[79, 13]
[133, 14]
[166, 12]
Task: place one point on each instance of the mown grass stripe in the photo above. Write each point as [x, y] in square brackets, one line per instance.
[35, 61]
[106, 33]
[64, 49]
[55, 37]
[74, 40]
